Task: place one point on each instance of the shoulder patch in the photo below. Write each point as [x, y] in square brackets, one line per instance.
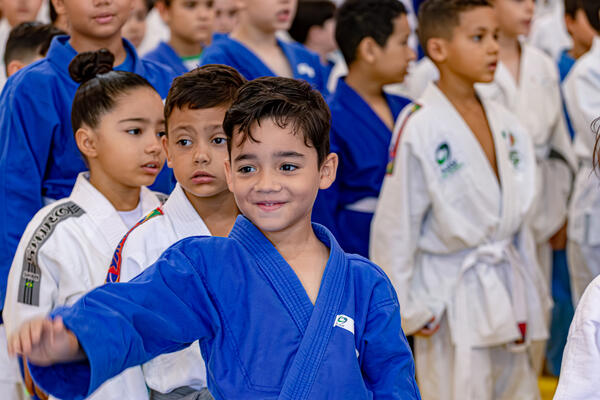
[31, 275]
[114, 271]
[394, 148]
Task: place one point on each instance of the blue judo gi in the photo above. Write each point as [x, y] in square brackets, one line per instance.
[39, 159]
[305, 64]
[260, 335]
[361, 140]
[166, 55]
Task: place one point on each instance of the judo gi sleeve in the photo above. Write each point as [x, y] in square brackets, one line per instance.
[387, 361]
[395, 232]
[581, 360]
[25, 145]
[121, 325]
[582, 101]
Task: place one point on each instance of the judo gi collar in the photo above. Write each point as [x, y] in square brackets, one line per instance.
[315, 323]
[61, 54]
[186, 220]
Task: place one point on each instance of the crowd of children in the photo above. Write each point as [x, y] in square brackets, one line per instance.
[258, 199]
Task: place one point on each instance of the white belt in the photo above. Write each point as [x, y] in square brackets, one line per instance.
[365, 205]
[480, 288]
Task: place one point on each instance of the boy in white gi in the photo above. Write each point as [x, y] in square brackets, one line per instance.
[581, 89]
[200, 205]
[117, 120]
[528, 84]
[448, 229]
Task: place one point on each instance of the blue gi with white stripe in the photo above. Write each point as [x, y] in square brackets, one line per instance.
[164, 54]
[305, 64]
[259, 333]
[39, 159]
[361, 140]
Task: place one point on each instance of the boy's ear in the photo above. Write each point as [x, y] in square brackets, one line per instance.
[328, 171]
[437, 49]
[228, 174]
[164, 141]
[367, 50]
[163, 10]
[13, 67]
[86, 141]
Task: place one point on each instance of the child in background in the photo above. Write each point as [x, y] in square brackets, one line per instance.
[40, 161]
[58, 20]
[449, 226]
[314, 27]
[191, 25]
[226, 15]
[582, 35]
[200, 205]
[134, 29]
[581, 90]
[254, 50]
[14, 13]
[117, 122]
[26, 44]
[373, 36]
[527, 83]
[279, 309]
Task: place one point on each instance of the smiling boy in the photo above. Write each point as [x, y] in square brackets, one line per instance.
[278, 292]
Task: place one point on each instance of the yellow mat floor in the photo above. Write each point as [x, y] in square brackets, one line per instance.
[547, 387]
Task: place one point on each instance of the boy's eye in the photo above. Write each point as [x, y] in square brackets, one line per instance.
[219, 140]
[161, 133]
[246, 169]
[477, 38]
[288, 167]
[134, 131]
[190, 4]
[184, 142]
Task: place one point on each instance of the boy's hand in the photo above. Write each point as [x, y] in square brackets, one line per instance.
[45, 342]
[429, 330]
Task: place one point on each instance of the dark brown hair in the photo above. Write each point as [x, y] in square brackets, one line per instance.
[592, 12]
[288, 103]
[100, 86]
[438, 18]
[208, 86]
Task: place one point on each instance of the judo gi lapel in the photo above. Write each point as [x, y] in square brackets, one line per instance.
[316, 323]
[305, 367]
[248, 64]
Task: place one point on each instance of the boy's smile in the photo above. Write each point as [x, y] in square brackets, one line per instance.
[275, 178]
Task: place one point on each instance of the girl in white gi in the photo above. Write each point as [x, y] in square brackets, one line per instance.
[581, 89]
[449, 226]
[200, 205]
[117, 119]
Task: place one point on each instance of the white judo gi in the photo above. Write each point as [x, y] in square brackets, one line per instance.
[582, 96]
[536, 101]
[145, 243]
[549, 30]
[62, 255]
[450, 237]
[580, 368]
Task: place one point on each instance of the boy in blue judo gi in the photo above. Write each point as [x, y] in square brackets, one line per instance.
[280, 310]
[191, 27]
[254, 50]
[40, 160]
[373, 36]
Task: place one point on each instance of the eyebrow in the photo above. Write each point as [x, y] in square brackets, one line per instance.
[285, 154]
[243, 157]
[143, 120]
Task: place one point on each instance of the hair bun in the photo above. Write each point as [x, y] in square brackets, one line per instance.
[88, 65]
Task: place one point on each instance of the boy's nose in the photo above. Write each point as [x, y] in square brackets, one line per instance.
[154, 146]
[201, 156]
[267, 183]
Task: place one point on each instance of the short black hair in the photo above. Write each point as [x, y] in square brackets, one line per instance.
[53, 13]
[438, 18]
[28, 40]
[285, 101]
[208, 86]
[100, 86]
[310, 13]
[571, 7]
[592, 10]
[358, 19]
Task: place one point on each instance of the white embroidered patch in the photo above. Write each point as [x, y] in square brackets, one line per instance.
[305, 69]
[344, 322]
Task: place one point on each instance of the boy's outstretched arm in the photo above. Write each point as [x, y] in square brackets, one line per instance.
[120, 325]
[45, 342]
